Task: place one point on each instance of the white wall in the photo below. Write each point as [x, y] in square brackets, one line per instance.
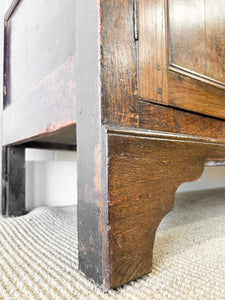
[212, 177]
[51, 178]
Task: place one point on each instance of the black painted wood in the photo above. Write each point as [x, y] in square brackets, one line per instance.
[4, 181]
[14, 181]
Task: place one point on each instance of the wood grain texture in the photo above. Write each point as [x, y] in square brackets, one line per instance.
[152, 50]
[181, 54]
[194, 95]
[91, 147]
[64, 136]
[167, 119]
[118, 63]
[186, 21]
[127, 174]
[144, 173]
[215, 29]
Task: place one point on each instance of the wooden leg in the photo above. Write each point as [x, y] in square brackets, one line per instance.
[4, 180]
[13, 181]
[143, 172]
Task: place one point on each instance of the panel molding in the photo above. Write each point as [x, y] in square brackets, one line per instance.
[182, 70]
[196, 76]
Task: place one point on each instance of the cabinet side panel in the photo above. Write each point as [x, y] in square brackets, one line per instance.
[41, 37]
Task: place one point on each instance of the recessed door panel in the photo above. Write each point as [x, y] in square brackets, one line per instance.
[190, 65]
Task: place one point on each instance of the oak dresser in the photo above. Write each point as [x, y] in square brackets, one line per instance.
[138, 87]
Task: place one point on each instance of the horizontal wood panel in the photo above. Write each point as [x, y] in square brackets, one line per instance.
[162, 118]
[62, 137]
[191, 94]
[50, 105]
[38, 42]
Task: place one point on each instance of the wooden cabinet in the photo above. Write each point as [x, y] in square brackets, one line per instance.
[149, 113]
[181, 54]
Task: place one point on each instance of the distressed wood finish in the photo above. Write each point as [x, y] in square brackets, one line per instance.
[49, 107]
[167, 119]
[106, 94]
[215, 12]
[194, 95]
[133, 147]
[91, 160]
[141, 171]
[152, 51]
[181, 54]
[118, 63]
[198, 48]
[144, 173]
[127, 178]
[13, 181]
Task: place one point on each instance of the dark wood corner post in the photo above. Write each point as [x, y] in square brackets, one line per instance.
[102, 98]
[13, 181]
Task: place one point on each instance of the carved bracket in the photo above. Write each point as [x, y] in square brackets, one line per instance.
[145, 171]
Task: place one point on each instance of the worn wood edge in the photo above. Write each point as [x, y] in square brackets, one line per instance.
[204, 99]
[48, 133]
[92, 143]
[153, 101]
[178, 121]
[162, 135]
[43, 113]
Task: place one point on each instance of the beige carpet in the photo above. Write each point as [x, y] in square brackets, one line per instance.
[38, 255]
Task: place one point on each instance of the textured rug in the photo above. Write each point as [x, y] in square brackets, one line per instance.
[38, 255]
